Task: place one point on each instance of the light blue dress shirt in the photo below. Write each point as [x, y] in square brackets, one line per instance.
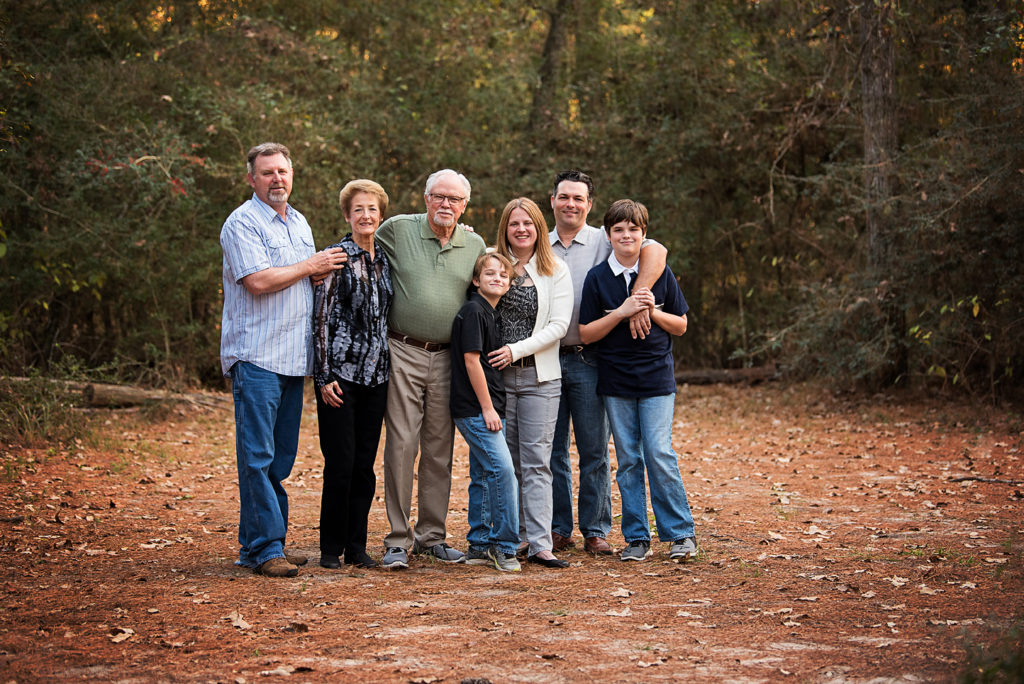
[272, 331]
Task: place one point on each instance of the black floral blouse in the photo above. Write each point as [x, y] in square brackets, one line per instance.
[517, 313]
[350, 319]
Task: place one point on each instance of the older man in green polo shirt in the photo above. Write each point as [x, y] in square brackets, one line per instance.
[432, 261]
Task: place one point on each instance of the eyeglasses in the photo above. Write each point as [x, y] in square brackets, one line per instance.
[440, 199]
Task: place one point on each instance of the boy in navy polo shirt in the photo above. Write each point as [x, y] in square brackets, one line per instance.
[635, 379]
[478, 408]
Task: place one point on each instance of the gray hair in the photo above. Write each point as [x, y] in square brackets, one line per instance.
[438, 175]
[267, 149]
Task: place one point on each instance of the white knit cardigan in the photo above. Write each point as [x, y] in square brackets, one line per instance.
[554, 309]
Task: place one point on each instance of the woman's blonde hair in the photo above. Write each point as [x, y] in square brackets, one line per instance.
[362, 185]
[546, 263]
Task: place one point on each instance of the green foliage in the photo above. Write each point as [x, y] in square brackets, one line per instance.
[123, 128]
[1001, 661]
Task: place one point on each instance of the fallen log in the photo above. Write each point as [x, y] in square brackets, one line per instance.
[121, 395]
[711, 376]
[101, 395]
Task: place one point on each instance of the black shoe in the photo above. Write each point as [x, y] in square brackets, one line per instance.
[329, 562]
[548, 562]
[361, 559]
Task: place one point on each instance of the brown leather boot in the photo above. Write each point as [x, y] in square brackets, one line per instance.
[295, 558]
[277, 567]
[598, 546]
[560, 543]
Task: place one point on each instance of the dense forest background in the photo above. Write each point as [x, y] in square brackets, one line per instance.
[840, 184]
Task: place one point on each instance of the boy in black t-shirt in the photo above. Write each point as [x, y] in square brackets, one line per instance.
[478, 408]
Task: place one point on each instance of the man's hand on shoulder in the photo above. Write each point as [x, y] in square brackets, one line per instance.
[322, 263]
[468, 229]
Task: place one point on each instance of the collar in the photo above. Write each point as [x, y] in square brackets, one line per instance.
[348, 239]
[479, 298]
[618, 269]
[269, 212]
[458, 238]
[583, 237]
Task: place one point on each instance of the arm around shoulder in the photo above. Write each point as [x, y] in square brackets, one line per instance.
[653, 258]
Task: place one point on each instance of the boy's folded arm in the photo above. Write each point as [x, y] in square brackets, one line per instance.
[598, 329]
[670, 323]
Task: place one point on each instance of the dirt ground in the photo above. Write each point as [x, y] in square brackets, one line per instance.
[842, 540]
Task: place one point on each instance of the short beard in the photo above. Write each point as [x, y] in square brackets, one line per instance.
[277, 196]
[443, 222]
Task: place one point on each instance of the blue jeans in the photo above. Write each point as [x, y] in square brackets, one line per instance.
[580, 402]
[493, 493]
[268, 407]
[642, 428]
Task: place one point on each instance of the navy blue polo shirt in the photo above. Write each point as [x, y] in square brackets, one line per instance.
[628, 367]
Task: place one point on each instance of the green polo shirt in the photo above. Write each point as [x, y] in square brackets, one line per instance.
[430, 280]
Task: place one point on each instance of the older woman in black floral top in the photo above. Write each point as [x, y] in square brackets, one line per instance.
[350, 317]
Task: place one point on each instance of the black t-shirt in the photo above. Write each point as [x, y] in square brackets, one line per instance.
[475, 329]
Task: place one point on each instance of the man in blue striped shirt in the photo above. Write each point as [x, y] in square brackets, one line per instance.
[266, 349]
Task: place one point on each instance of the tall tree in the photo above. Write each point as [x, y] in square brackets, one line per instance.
[879, 114]
[549, 105]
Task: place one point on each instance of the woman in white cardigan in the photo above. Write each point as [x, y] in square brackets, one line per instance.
[532, 319]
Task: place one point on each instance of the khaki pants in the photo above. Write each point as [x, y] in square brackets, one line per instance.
[418, 419]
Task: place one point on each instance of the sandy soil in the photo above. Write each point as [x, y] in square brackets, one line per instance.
[868, 539]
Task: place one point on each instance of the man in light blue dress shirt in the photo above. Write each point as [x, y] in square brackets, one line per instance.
[266, 349]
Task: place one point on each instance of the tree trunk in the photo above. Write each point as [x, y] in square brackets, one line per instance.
[878, 94]
[878, 91]
[548, 96]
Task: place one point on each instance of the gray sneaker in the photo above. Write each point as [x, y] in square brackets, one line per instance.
[395, 558]
[636, 550]
[441, 552]
[477, 555]
[684, 549]
[506, 562]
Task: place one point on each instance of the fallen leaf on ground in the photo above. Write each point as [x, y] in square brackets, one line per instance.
[237, 620]
[119, 634]
[282, 671]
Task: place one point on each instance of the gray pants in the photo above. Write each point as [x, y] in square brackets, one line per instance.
[531, 410]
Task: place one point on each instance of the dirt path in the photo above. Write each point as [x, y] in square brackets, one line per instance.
[837, 545]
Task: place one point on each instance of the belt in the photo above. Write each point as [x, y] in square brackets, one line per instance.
[571, 348]
[525, 362]
[429, 346]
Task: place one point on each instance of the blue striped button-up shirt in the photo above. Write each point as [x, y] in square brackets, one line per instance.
[272, 331]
